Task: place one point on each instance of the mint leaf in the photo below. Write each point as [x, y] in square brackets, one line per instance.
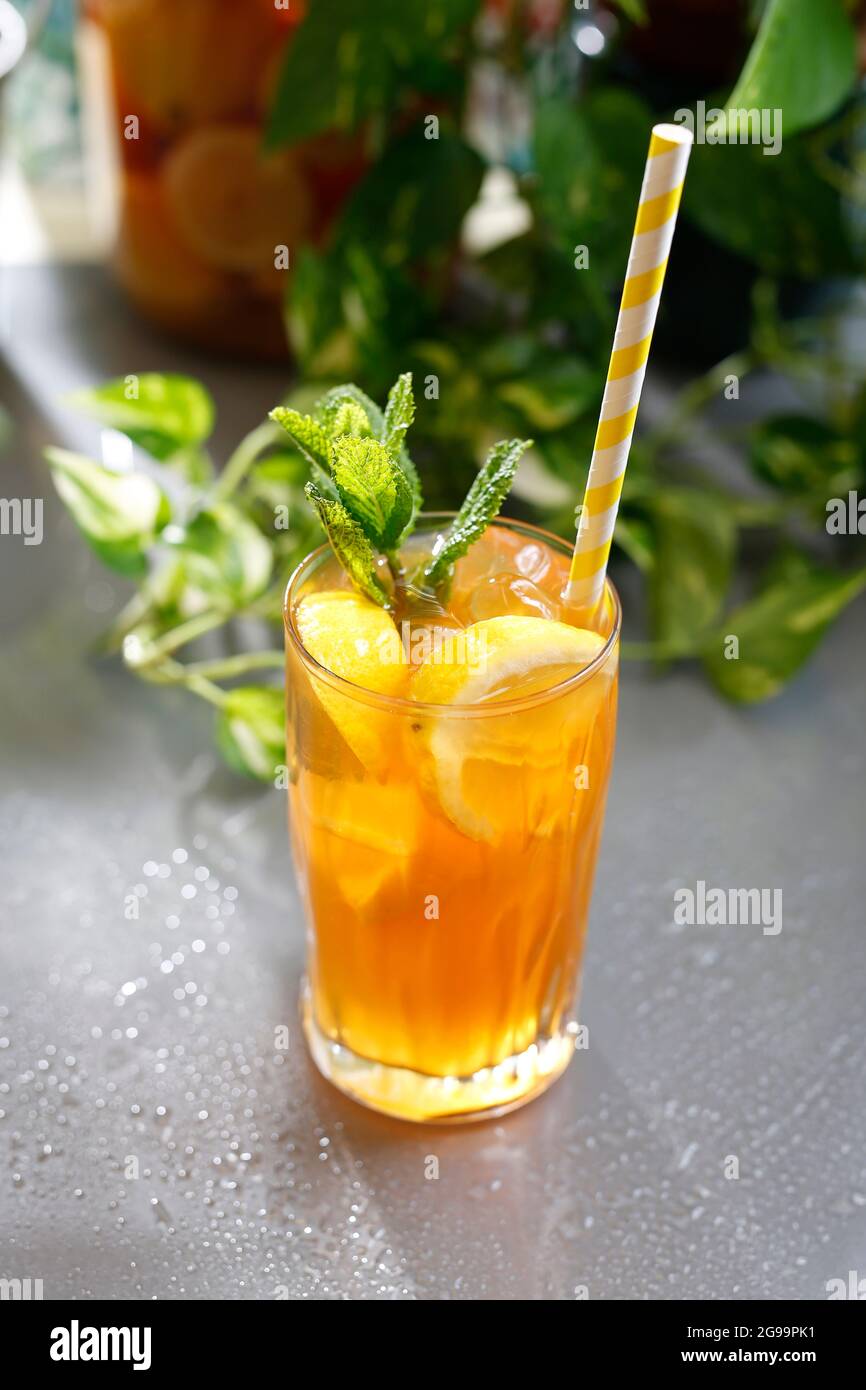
[399, 412]
[306, 432]
[482, 504]
[331, 404]
[312, 441]
[372, 487]
[349, 544]
[329, 407]
[351, 418]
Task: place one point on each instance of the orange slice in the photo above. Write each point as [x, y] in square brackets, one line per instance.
[233, 205]
[153, 264]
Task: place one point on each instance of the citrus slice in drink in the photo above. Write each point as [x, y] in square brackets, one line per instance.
[355, 639]
[365, 834]
[493, 773]
[154, 264]
[235, 206]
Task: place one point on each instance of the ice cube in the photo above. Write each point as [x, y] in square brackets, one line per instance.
[491, 554]
[432, 638]
[511, 595]
[533, 561]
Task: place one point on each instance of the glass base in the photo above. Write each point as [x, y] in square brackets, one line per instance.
[412, 1095]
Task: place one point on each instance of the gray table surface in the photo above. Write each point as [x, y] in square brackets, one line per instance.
[255, 1179]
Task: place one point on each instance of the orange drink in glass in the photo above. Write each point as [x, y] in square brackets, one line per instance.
[447, 783]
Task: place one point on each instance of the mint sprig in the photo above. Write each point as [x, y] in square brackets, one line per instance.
[389, 427]
[365, 488]
[373, 488]
[399, 414]
[351, 418]
[482, 504]
[311, 440]
[349, 544]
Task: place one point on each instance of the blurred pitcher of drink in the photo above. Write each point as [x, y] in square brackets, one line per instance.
[202, 224]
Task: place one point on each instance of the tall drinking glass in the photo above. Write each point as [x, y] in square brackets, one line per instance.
[446, 855]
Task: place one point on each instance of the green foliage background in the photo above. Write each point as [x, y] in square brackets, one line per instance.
[517, 340]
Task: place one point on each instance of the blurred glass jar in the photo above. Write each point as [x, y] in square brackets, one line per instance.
[204, 227]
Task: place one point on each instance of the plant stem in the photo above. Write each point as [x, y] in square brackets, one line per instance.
[173, 673]
[236, 665]
[178, 637]
[242, 460]
[398, 574]
[129, 617]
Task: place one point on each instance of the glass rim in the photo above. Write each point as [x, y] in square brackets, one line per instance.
[400, 703]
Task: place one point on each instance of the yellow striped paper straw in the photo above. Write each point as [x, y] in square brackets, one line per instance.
[669, 150]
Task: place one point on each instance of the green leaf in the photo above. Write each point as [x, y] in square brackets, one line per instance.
[787, 563]
[635, 10]
[590, 161]
[225, 554]
[694, 542]
[779, 213]
[511, 355]
[794, 37]
[347, 60]
[554, 393]
[333, 69]
[482, 504]
[120, 514]
[312, 441]
[399, 413]
[288, 469]
[413, 201]
[373, 489]
[349, 544]
[164, 414]
[777, 632]
[351, 419]
[250, 730]
[353, 312]
[315, 320]
[634, 535]
[804, 456]
[332, 403]
[277, 480]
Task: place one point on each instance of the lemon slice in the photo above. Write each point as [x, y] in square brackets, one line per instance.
[355, 639]
[363, 834]
[497, 773]
[234, 205]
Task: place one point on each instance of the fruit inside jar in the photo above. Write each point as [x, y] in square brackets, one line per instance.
[206, 225]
